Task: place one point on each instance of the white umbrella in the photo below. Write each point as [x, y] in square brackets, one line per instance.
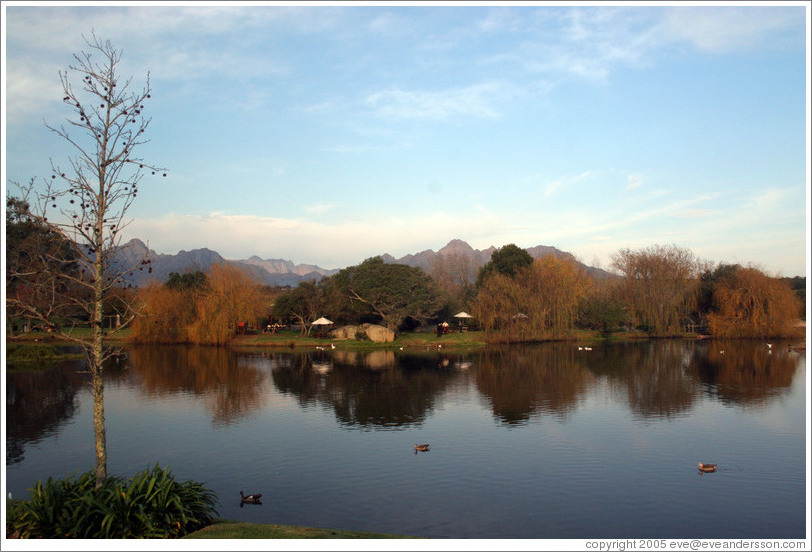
[321, 322]
[463, 314]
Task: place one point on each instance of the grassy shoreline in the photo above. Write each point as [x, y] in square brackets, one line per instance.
[412, 342]
[292, 339]
[228, 529]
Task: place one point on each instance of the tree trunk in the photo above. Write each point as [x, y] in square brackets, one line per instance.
[97, 369]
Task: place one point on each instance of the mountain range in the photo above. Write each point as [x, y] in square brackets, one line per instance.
[280, 272]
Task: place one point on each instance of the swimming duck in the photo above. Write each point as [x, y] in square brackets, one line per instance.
[250, 499]
[707, 468]
[422, 448]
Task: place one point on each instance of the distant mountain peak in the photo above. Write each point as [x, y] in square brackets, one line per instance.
[280, 272]
[456, 247]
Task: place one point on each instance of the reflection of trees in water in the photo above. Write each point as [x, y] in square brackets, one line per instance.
[743, 372]
[38, 403]
[523, 381]
[651, 374]
[364, 390]
[230, 388]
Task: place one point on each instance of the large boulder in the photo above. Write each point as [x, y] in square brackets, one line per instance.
[373, 332]
[379, 334]
[345, 332]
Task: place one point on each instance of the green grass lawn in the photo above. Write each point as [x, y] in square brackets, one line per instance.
[237, 530]
[407, 340]
[291, 339]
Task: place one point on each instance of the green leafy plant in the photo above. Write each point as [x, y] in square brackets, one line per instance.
[151, 504]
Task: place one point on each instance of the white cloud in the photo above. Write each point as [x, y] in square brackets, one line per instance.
[336, 245]
[633, 181]
[478, 100]
[725, 29]
[695, 213]
[566, 182]
[318, 209]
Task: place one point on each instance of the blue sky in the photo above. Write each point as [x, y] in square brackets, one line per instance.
[328, 134]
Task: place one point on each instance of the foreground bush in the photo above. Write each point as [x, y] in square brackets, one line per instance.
[151, 504]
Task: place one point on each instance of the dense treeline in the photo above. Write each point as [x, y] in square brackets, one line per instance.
[660, 291]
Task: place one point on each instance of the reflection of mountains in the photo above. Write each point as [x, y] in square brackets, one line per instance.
[364, 390]
[230, 388]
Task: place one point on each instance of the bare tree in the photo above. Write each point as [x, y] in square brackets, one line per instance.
[86, 205]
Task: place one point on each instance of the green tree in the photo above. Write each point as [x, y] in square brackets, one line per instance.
[507, 260]
[304, 303]
[388, 291]
[188, 281]
[87, 204]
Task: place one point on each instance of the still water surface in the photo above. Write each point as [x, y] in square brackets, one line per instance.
[538, 442]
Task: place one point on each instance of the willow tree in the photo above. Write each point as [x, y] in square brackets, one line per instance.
[85, 203]
[661, 285]
[749, 303]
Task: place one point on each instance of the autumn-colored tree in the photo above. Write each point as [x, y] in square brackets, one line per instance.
[660, 285]
[230, 297]
[498, 306]
[554, 288]
[166, 314]
[539, 302]
[749, 303]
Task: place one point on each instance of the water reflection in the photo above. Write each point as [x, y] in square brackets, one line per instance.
[651, 376]
[389, 390]
[521, 382]
[40, 402]
[365, 391]
[744, 373]
[37, 404]
[231, 387]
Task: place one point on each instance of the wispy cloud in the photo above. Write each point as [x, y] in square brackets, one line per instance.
[319, 208]
[695, 213]
[725, 29]
[567, 182]
[479, 100]
[633, 181]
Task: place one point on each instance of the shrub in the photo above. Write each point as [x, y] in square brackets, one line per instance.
[151, 504]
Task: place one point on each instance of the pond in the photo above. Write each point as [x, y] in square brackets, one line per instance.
[551, 441]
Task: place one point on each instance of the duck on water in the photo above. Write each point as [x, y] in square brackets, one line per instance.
[250, 499]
